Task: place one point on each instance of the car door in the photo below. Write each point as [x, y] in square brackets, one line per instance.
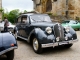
[18, 25]
[25, 27]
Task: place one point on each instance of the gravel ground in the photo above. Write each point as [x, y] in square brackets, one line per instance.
[25, 52]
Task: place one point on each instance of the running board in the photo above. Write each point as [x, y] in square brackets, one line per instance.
[23, 38]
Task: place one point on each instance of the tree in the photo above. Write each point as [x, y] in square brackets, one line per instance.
[13, 15]
[25, 11]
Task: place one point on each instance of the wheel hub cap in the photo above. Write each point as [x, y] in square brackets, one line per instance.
[35, 44]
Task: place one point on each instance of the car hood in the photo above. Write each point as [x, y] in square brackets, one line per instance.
[1, 25]
[8, 26]
[11, 26]
[64, 25]
[43, 24]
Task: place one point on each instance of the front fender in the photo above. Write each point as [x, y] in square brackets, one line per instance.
[73, 33]
[42, 36]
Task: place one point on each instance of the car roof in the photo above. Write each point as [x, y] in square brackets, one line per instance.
[69, 20]
[29, 14]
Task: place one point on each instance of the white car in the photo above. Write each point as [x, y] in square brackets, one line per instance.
[11, 27]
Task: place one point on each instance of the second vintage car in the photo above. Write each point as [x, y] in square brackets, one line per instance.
[11, 27]
[41, 32]
[73, 23]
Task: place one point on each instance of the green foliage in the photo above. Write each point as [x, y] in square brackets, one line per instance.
[1, 9]
[25, 11]
[12, 15]
[49, 13]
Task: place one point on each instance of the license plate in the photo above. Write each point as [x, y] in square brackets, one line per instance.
[62, 43]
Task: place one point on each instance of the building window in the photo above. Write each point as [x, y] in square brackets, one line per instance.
[48, 6]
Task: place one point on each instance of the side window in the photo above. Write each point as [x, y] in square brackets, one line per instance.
[72, 22]
[27, 20]
[24, 19]
[19, 20]
[77, 22]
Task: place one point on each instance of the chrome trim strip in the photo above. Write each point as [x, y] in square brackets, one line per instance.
[22, 38]
[9, 49]
[57, 43]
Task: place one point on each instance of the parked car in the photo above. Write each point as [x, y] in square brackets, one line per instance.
[41, 32]
[73, 23]
[11, 27]
[7, 45]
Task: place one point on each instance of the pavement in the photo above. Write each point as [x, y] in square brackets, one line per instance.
[25, 52]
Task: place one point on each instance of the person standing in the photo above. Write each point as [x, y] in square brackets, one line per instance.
[6, 24]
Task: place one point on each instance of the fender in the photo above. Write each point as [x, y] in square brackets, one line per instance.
[1, 42]
[73, 33]
[42, 36]
[7, 40]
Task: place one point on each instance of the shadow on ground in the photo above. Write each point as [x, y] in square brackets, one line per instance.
[50, 50]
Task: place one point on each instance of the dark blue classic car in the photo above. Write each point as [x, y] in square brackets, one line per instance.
[41, 32]
[7, 45]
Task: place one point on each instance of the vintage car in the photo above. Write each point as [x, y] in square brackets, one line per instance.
[41, 32]
[7, 45]
[73, 23]
[11, 27]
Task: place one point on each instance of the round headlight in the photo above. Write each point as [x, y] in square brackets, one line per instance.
[67, 29]
[49, 30]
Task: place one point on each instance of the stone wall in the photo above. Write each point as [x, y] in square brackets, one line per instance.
[68, 8]
[0, 9]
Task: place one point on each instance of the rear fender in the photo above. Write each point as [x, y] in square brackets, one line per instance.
[8, 39]
[6, 43]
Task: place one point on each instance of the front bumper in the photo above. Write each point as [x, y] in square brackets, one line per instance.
[7, 50]
[59, 43]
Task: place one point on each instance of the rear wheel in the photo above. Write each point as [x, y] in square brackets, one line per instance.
[68, 45]
[10, 55]
[36, 46]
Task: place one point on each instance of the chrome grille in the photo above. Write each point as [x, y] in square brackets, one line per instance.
[59, 32]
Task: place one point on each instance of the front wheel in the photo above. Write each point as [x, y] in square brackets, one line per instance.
[36, 46]
[10, 55]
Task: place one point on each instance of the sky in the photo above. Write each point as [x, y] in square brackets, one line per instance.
[22, 5]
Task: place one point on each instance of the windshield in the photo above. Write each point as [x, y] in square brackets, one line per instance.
[65, 21]
[40, 18]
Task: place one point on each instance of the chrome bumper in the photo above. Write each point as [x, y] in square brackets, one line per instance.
[9, 49]
[58, 43]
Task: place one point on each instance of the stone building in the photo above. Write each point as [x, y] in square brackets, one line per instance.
[0, 10]
[68, 8]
